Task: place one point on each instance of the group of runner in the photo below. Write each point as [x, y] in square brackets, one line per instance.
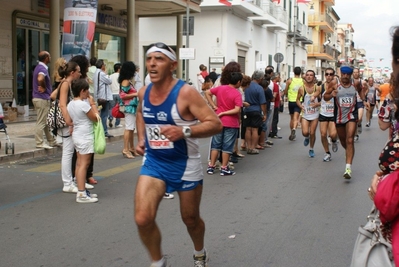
[338, 104]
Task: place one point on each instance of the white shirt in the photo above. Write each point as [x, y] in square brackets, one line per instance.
[138, 82]
[115, 85]
[82, 125]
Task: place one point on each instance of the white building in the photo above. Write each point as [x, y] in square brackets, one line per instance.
[249, 32]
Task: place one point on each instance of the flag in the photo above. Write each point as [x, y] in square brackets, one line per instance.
[303, 1]
[278, 1]
[225, 2]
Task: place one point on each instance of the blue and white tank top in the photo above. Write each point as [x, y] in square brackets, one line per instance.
[180, 159]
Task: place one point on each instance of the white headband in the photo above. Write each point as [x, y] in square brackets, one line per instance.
[167, 53]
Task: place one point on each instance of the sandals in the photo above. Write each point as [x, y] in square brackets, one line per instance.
[91, 180]
[134, 152]
[127, 154]
[261, 147]
[253, 151]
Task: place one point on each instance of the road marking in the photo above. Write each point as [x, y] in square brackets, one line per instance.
[119, 169]
[53, 167]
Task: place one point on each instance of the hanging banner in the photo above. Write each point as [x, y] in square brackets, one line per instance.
[79, 26]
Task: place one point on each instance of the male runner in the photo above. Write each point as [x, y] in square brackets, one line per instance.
[371, 99]
[291, 91]
[167, 129]
[359, 103]
[345, 112]
[326, 118]
[309, 105]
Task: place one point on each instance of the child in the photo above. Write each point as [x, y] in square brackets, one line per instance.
[83, 112]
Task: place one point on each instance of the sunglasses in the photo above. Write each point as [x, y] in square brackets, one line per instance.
[329, 74]
[161, 45]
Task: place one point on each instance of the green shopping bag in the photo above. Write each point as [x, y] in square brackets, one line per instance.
[99, 137]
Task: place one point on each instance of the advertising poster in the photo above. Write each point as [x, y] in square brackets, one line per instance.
[79, 26]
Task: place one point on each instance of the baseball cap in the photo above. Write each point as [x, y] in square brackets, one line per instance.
[346, 70]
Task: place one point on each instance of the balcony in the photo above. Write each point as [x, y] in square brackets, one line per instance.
[302, 33]
[325, 52]
[274, 17]
[323, 21]
[329, 2]
[261, 12]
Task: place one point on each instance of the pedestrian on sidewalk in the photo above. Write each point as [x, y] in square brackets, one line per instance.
[41, 91]
[115, 87]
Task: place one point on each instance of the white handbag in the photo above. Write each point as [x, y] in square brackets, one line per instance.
[371, 248]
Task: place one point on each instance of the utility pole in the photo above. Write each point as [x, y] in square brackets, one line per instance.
[294, 43]
[187, 37]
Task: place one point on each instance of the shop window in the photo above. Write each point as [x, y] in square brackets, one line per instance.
[109, 48]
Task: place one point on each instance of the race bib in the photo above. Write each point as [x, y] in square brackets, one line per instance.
[346, 102]
[310, 110]
[330, 108]
[155, 139]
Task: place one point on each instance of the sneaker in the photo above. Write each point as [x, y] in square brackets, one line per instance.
[82, 197]
[292, 136]
[233, 159]
[269, 142]
[311, 153]
[356, 138]
[45, 146]
[368, 124]
[168, 196]
[279, 128]
[347, 173]
[118, 126]
[329, 140]
[334, 146]
[110, 123]
[70, 188]
[267, 146]
[327, 157]
[90, 194]
[276, 137]
[306, 141]
[225, 171]
[165, 264]
[201, 260]
[109, 135]
[359, 128]
[88, 186]
[211, 169]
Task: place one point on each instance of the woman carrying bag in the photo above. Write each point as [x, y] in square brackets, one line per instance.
[128, 95]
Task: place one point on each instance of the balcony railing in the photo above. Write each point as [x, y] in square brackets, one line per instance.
[322, 49]
[322, 17]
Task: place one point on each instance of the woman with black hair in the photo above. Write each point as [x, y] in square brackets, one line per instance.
[128, 95]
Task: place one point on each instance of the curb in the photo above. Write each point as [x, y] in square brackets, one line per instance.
[39, 153]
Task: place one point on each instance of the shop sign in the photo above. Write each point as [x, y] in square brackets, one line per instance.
[33, 24]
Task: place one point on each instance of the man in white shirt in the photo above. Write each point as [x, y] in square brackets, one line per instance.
[115, 95]
[90, 74]
[138, 83]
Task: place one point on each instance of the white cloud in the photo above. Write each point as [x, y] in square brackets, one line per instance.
[371, 20]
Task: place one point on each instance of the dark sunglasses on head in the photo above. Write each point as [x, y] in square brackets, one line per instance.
[329, 74]
[160, 45]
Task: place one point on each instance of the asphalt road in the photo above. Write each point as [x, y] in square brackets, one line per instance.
[283, 209]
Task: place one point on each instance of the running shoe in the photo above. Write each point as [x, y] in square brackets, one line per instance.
[82, 197]
[311, 153]
[306, 141]
[348, 173]
[292, 136]
[276, 137]
[201, 260]
[334, 146]
[359, 128]
[168, 196]
[225, 171]
[327, 157]
[356, 138]
[211, 169]
[368, 124]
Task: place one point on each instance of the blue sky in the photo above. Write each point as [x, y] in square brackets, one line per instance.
[371, 20]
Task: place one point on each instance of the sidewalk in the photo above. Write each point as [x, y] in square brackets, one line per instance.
[21, 133]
